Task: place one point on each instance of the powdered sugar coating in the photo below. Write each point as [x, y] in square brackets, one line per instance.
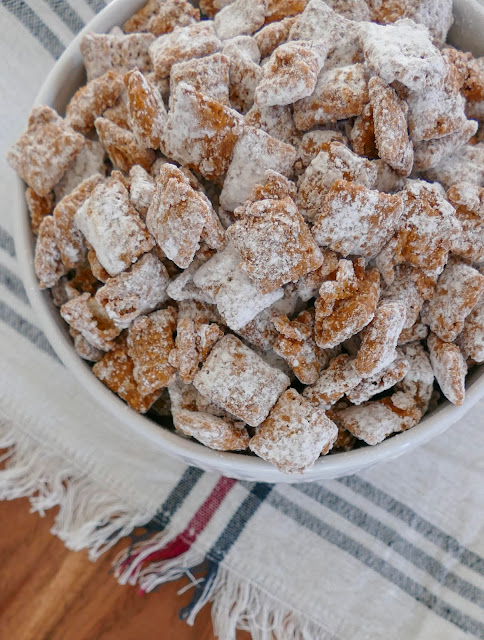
[411, 287]
[340, 93]
[102, 52]
[339, 378]
[242, 17]
[209, 75]
[183, 43]
[212, 431]
[47, 261]
[458, 291]
[236, 297]
[465, 164]
[276, 121]
[91, 100]
[403, 51]
[449, 367]
[122, 146]
[85, 349]
[430, 153]
[254, 153]
[238, 380]
[471, 339]
[150, 340]
[88, 161]
[162, 16]
[333, 162]
[113, 227]
[294, 435]
[146, 110]
[141, 190]
[87, 316]
[272, 35]
[138, 290]
[384, 379]
[245, 72]
[356, 220]
[45, 150]
[468, 200]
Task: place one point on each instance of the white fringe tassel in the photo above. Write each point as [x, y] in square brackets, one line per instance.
[90, 517]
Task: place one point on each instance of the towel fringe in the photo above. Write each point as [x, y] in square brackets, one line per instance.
[89, 517]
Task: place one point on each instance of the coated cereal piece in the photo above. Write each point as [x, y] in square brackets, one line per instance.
[182, 287]
[379, 382]
[356, 220]
[450, 368]
[275, 244]
[141, 190]
[308, 285]
[340, 93]
[201, 133]
[84, 314]
[276, 121]
[379, 339]
[150, 340]
[47, 262]
[210, 7]
[260, 332]
[162, 16]
[387, 180]
[177, 215]
[418, 331]
[339, 378]
[70, 240]
[183, 43]
[291, 73]
[459, 288]
[85, 349]
[465, 164]
[319, 22]
[373, 421]
[242, 17]
[333, 162]
[205, 406]
[82, 280]
[138, 290]
[254, 153]
[351, 9]
[116, 371]
[102, 52]
[209, 75]
[313, 142]
[411, 287]
[350, 313]
[281, 9]
[238, 300]
[122, 146]
[390, 126]
[294, 435]
[273, 34]
[147, 113]
[296, 345]
[89, 161]
[403, 51]
[471, 338]
[244, 73]
[362, 135]
[194, 341]
[39, 207]
[239, 381]
[118, 113]
[468, 200]
[214, 432]
[430, 153]
[418, 382]
[182, 396]
[98, 271]
[44, 151]
[113, 228]
[91, 100]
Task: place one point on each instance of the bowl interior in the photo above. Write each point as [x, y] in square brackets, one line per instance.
[66, 76]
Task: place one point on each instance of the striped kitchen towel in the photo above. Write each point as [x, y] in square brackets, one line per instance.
[394, 552]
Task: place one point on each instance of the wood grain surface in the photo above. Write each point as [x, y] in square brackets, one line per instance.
[49, 593]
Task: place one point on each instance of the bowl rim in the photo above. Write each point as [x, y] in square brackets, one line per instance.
[227, 463]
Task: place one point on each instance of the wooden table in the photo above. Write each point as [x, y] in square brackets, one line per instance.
[49, 593]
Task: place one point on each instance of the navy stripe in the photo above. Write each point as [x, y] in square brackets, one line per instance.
[415, 521]
[67, 14]
[6, 242]
[258, 493]
[376, 563]
[395, 541]
[175, 499]
[96, 5]
[35, 25]
[13, 283]
[26, 329]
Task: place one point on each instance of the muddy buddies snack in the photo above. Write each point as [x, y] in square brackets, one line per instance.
[263, 220]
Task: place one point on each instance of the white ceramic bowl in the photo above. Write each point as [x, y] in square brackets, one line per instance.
[61, 83]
